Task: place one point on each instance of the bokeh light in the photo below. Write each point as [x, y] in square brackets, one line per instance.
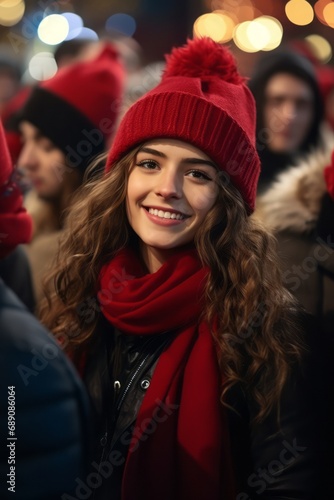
[84, 33]
[299, 12]
[230, 23]
[319, 9]
[241, 37]
[211, 25]
[53, 29]
[42, 66]
[242, 10]
[328, 14]
[121, 23]
[275, 30]
[11, 12]
[263, 33]
[75, 22]
[258, 35]
[321, 47]
[246, 12]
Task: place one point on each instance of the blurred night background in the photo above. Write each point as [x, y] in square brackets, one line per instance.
[30, 31]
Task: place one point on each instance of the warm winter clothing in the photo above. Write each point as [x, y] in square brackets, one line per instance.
[294, 64]
[154, 365]
[300, 211]
[15, 272]
[84, 100]
[15, 223]
[15, 228]
[44, 409]
[170, 437]
[201, 100]
[127, 309]
[52, 427]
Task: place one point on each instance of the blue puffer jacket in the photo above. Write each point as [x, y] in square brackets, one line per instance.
[44, 451]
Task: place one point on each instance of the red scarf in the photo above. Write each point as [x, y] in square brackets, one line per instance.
[180, 446]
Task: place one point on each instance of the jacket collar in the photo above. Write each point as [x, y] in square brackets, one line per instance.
[293, 200]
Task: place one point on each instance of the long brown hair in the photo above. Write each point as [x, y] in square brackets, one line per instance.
[247, 306]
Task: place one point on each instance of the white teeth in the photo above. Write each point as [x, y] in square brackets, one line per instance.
[165, 215]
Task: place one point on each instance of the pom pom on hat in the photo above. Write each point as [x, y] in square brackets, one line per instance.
[201, 100]
[202, 58]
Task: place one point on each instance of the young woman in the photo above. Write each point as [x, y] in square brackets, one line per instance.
[169, 300]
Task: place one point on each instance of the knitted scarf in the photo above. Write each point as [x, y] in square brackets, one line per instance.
[180, 446]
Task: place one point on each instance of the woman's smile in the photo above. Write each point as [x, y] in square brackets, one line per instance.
[171, 188]
[160, 214]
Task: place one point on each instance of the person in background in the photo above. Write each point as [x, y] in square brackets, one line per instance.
[70, 51]
[196, 358]
[65, 123]
[45, 416]
[289, 111]
[325, 76]
[299, 208]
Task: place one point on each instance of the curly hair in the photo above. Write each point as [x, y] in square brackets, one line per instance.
[249, 310]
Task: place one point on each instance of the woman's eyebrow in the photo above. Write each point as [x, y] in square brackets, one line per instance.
[193, 161]
[152, 152]
[199, 161]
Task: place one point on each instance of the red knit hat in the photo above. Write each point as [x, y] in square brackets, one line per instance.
[201, 100]
[77, 109]
[15, 223]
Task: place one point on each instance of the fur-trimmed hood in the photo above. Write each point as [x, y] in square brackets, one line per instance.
[293, 201]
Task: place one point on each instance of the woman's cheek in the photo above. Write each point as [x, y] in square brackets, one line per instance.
[205, 200]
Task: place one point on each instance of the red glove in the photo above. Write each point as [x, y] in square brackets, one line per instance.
[329, 177]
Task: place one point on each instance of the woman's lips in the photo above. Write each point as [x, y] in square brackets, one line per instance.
[165, 217]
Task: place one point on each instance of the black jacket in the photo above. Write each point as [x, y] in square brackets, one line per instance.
[271, 462]
[15, 272]
[44, 410]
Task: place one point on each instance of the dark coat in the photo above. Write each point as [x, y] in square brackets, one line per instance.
[15, 272]
[283, 462]
[49, 443]
[299, 210]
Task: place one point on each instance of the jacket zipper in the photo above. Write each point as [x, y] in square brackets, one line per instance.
[126, 390]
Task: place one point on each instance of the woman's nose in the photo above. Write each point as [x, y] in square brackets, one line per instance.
[169, 185]
[27, 158]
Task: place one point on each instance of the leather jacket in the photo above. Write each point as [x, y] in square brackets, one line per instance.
[272, 461]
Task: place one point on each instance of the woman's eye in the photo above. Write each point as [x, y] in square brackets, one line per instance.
[198, 174]
[149, 164]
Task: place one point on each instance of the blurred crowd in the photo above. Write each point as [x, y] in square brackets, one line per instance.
[58, 133]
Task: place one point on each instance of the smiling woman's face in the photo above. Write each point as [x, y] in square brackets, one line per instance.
[171, 188]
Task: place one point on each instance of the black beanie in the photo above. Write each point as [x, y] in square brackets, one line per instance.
[78, 108]
[284, 61]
